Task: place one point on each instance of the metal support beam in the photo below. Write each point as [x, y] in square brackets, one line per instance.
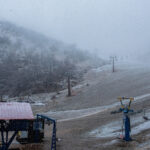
[53, 142]
[5, 142]
[11, 126]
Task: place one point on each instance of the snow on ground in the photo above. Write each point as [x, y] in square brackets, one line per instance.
[110, 142]
[102, 68]
[114, 129]
[145, 145]
[38, 104]
[76, 114]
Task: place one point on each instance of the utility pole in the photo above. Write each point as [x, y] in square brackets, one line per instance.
[113, 59]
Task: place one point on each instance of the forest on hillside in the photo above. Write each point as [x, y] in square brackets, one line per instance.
[32, 63]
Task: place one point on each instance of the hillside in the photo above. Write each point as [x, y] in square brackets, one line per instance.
[32, 63]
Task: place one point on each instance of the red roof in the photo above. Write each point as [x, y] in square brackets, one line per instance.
[15, 111]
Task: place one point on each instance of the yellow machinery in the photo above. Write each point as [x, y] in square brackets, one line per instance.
[125, 98]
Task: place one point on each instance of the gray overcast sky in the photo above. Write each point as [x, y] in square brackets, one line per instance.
[111, 26]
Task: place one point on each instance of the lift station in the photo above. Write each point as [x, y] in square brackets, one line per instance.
[17, 122]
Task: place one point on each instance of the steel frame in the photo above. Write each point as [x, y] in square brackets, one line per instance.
[53, 141]
[11, 126]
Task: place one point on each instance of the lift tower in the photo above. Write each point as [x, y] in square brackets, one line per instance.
[125, 108]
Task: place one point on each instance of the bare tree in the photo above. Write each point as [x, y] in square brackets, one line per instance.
[69, 86]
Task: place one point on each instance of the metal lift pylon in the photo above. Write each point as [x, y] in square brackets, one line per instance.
[125, 108]
[52, 121]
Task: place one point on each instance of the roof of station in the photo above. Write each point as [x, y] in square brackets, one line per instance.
[15, 111]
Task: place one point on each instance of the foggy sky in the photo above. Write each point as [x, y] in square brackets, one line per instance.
[108, 26]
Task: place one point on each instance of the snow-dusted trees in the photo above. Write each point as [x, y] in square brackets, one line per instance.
[32, 73]
[32, 63]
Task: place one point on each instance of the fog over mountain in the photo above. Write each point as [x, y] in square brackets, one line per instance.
[118, 27]
[31, 63]
[52, 37]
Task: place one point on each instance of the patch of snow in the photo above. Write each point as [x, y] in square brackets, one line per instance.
[97, 70]
[142, 97]
[141, 127]
[100, 69]
[38, 104]
[111, 143]
[109, 130]
[114, 129]
[78, 86]
[145, 145]
[77, 114]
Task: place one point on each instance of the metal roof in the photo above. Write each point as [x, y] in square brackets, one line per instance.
[15, 111]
